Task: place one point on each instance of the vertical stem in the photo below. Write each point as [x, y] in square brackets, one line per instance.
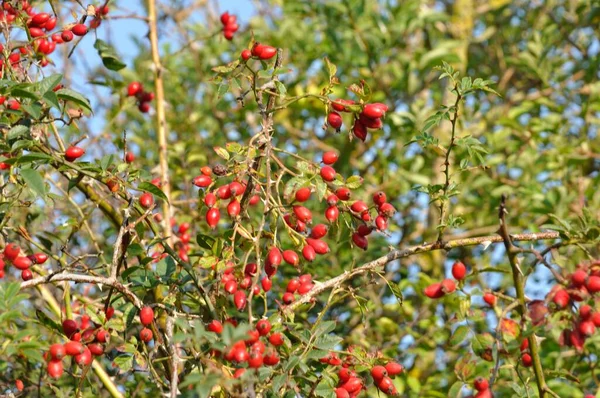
[161, 121]
[519, 282]
[447, 166]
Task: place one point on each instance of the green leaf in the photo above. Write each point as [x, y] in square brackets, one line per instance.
[49, 83]
[222, 152]
[51, 99]
[17, 132]
[124, 363]
[109, 56]
[226, 68]
[34, 181]
[153, 189]
[73, 96]
[459, 335]
[354, 182]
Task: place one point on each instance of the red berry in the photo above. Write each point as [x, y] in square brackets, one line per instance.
[335, 120]
[271, 358]
[375, 111]
[96, 349]
[561, 298]
[526, 360]
[40, 19]
[146, 200]
[359, 130]
[263, 326]
[110, 311]
[587, 328]
[57, 351]
[360, 241]
[239, 299]
[308, 252]
[340, 105]
[67, 36]
[448, 286]
[215, 327]
[74, 152]
[387, 210]
[146, 315]
[578, 278]
[73, 348]
[246, 54]
[328, 173]
[22, 263]
[146, 335]
[434, 291]
[379, 198]
[330, 157]
[212, 217]
[303, 214]
[363, 230]
[459, 270]
[341, 393]
[19, 384]
[596, 319]
[320, 246]
[293, 285]
[134, 89]
[585, 312]
[250, 269]
[481, 384]
[276, 339]
[26, 275]
[381, 223]
[319, 231]
[386, 385]
[234, 208]
[490, 299]
[231, 286]
[102, 336]
[359, 207]
[79, 29]
[11, 251]
[55, 369]
[378, 372]
[303, 194]
[255, 360]
[210, 199]
[129, 157]
[394, 368]
[266, 283]
[291, 257]
[354, 384]
[288, 297]
[593, 284]
[332, 213]
[202, 181]
[267, 52]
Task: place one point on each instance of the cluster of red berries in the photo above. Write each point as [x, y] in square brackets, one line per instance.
[440, 289]
[183, 242]
[301, 216]
[232, 191]
[259, 51]
[253, 351]
[136, 89]
[350, 384]
[39, 28]
[369, 116]
[146, 319]
[301, 285]
[12, 254]
[237, 286]
[584, 284]
[230, 25]
[382, 375]
[86, 341]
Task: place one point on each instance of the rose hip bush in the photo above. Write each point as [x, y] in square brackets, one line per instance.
[320, 199]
